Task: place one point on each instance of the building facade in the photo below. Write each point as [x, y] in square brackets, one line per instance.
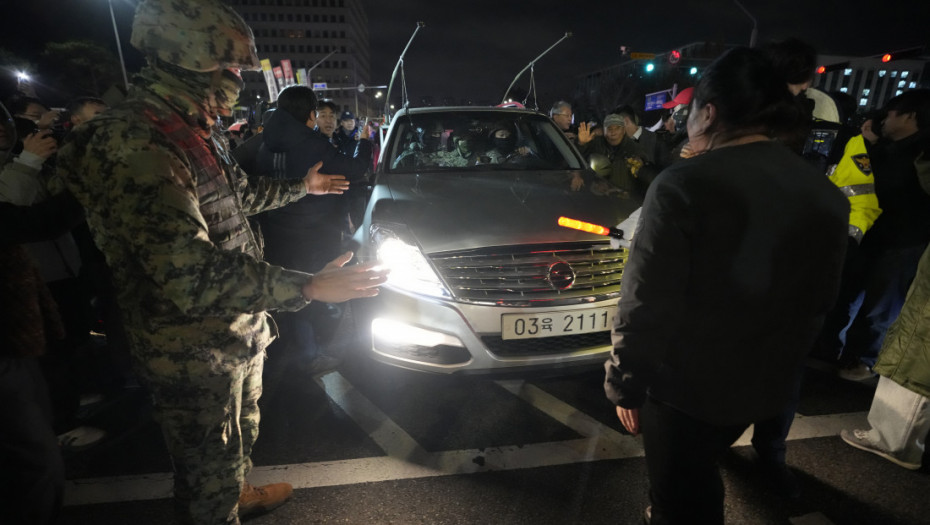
[868, 80]
[328, 38]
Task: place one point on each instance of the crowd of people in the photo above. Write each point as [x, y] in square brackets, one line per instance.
[149, 226]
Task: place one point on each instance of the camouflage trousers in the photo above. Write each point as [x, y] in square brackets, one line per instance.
[207, 406]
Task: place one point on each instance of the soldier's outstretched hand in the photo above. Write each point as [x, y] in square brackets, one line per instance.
[320, 184]
[336, 283]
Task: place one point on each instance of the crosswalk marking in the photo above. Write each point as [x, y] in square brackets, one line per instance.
[405, 459]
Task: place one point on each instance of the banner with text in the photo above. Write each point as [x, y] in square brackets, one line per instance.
[288, 72]
[269, 80]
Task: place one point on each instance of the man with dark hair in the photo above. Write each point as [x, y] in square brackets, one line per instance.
[358, 188]
[82, 109]
[33, 109]
[306, 234]
[326, 118]
[894, 244]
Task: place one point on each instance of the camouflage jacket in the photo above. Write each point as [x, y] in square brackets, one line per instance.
[181, 285]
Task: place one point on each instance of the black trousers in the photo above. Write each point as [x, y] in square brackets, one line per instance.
[681, 458]
[31, 469]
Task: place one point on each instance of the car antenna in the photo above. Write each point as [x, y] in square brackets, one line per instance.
[530, 65]
[400, 66]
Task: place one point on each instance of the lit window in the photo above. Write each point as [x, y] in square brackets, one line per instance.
[894, 74]
[847, 71]
[863, 101]
[902, 83]
[904, 74]
[866, 91]
[898, 92]
[912, 85]
[881, 73]
[844, 89]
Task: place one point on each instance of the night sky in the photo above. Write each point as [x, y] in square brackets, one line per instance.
[474, 49]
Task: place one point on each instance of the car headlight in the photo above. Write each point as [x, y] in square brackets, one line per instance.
[410, 270]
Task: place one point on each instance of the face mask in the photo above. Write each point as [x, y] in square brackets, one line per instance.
[504, 144]
[226, 85]
[681, 119]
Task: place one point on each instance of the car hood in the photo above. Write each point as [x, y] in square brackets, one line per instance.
[454, 211]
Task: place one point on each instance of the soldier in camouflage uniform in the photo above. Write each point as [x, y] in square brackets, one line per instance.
[168, 207]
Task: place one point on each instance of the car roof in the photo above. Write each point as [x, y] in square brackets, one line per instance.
[463, 109]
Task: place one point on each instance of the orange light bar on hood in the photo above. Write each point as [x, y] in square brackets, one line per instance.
[596, 229]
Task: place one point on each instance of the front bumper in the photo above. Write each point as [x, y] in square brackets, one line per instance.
[445, 337]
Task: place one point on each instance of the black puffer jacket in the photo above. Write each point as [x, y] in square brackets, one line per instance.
[288, 150]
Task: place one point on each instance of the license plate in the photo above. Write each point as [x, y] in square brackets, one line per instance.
[548, 324]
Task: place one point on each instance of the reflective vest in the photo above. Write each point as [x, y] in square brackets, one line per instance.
[853, 176]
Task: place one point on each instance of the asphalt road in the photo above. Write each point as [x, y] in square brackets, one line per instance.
[376, 445]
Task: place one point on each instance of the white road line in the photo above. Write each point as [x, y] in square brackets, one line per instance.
[406, 459]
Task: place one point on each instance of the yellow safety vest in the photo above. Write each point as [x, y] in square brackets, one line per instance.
[853, 176]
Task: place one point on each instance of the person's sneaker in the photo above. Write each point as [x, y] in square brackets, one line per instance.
[80, 438]
[254, 499]
[860, 439]
[320, 364]
[857, 372]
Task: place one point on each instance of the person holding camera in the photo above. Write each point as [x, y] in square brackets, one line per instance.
[24, 182]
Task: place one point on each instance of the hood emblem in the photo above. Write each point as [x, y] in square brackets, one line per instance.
[560, 275]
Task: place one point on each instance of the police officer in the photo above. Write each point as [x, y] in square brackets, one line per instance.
[168, 206]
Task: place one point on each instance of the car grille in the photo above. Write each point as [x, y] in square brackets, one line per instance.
[519, 276]
[545, 345]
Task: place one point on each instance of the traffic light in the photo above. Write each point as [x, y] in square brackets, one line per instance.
[650, 67]
[674, 56]
[912, 52]
[693, 71]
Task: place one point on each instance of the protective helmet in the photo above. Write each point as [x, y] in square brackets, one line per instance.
[197, 35]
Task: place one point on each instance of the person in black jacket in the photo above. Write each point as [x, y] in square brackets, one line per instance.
[31, 469]
[716, 311]
[306, 234]
[892, 248]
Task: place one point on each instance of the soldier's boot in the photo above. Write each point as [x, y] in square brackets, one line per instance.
[254, 499]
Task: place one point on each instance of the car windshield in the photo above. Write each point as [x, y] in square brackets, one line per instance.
[477, 141]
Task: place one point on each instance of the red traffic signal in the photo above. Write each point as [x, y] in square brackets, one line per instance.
[913, 52]
[674, 56]
[832, 67]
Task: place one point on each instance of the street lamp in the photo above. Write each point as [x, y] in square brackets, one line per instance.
[311, 68]
[752, 36]
[22, 83]
[119, 47]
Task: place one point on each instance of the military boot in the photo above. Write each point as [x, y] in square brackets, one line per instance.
[254, 499]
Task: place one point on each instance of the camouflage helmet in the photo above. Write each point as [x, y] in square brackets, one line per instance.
[197, 35]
